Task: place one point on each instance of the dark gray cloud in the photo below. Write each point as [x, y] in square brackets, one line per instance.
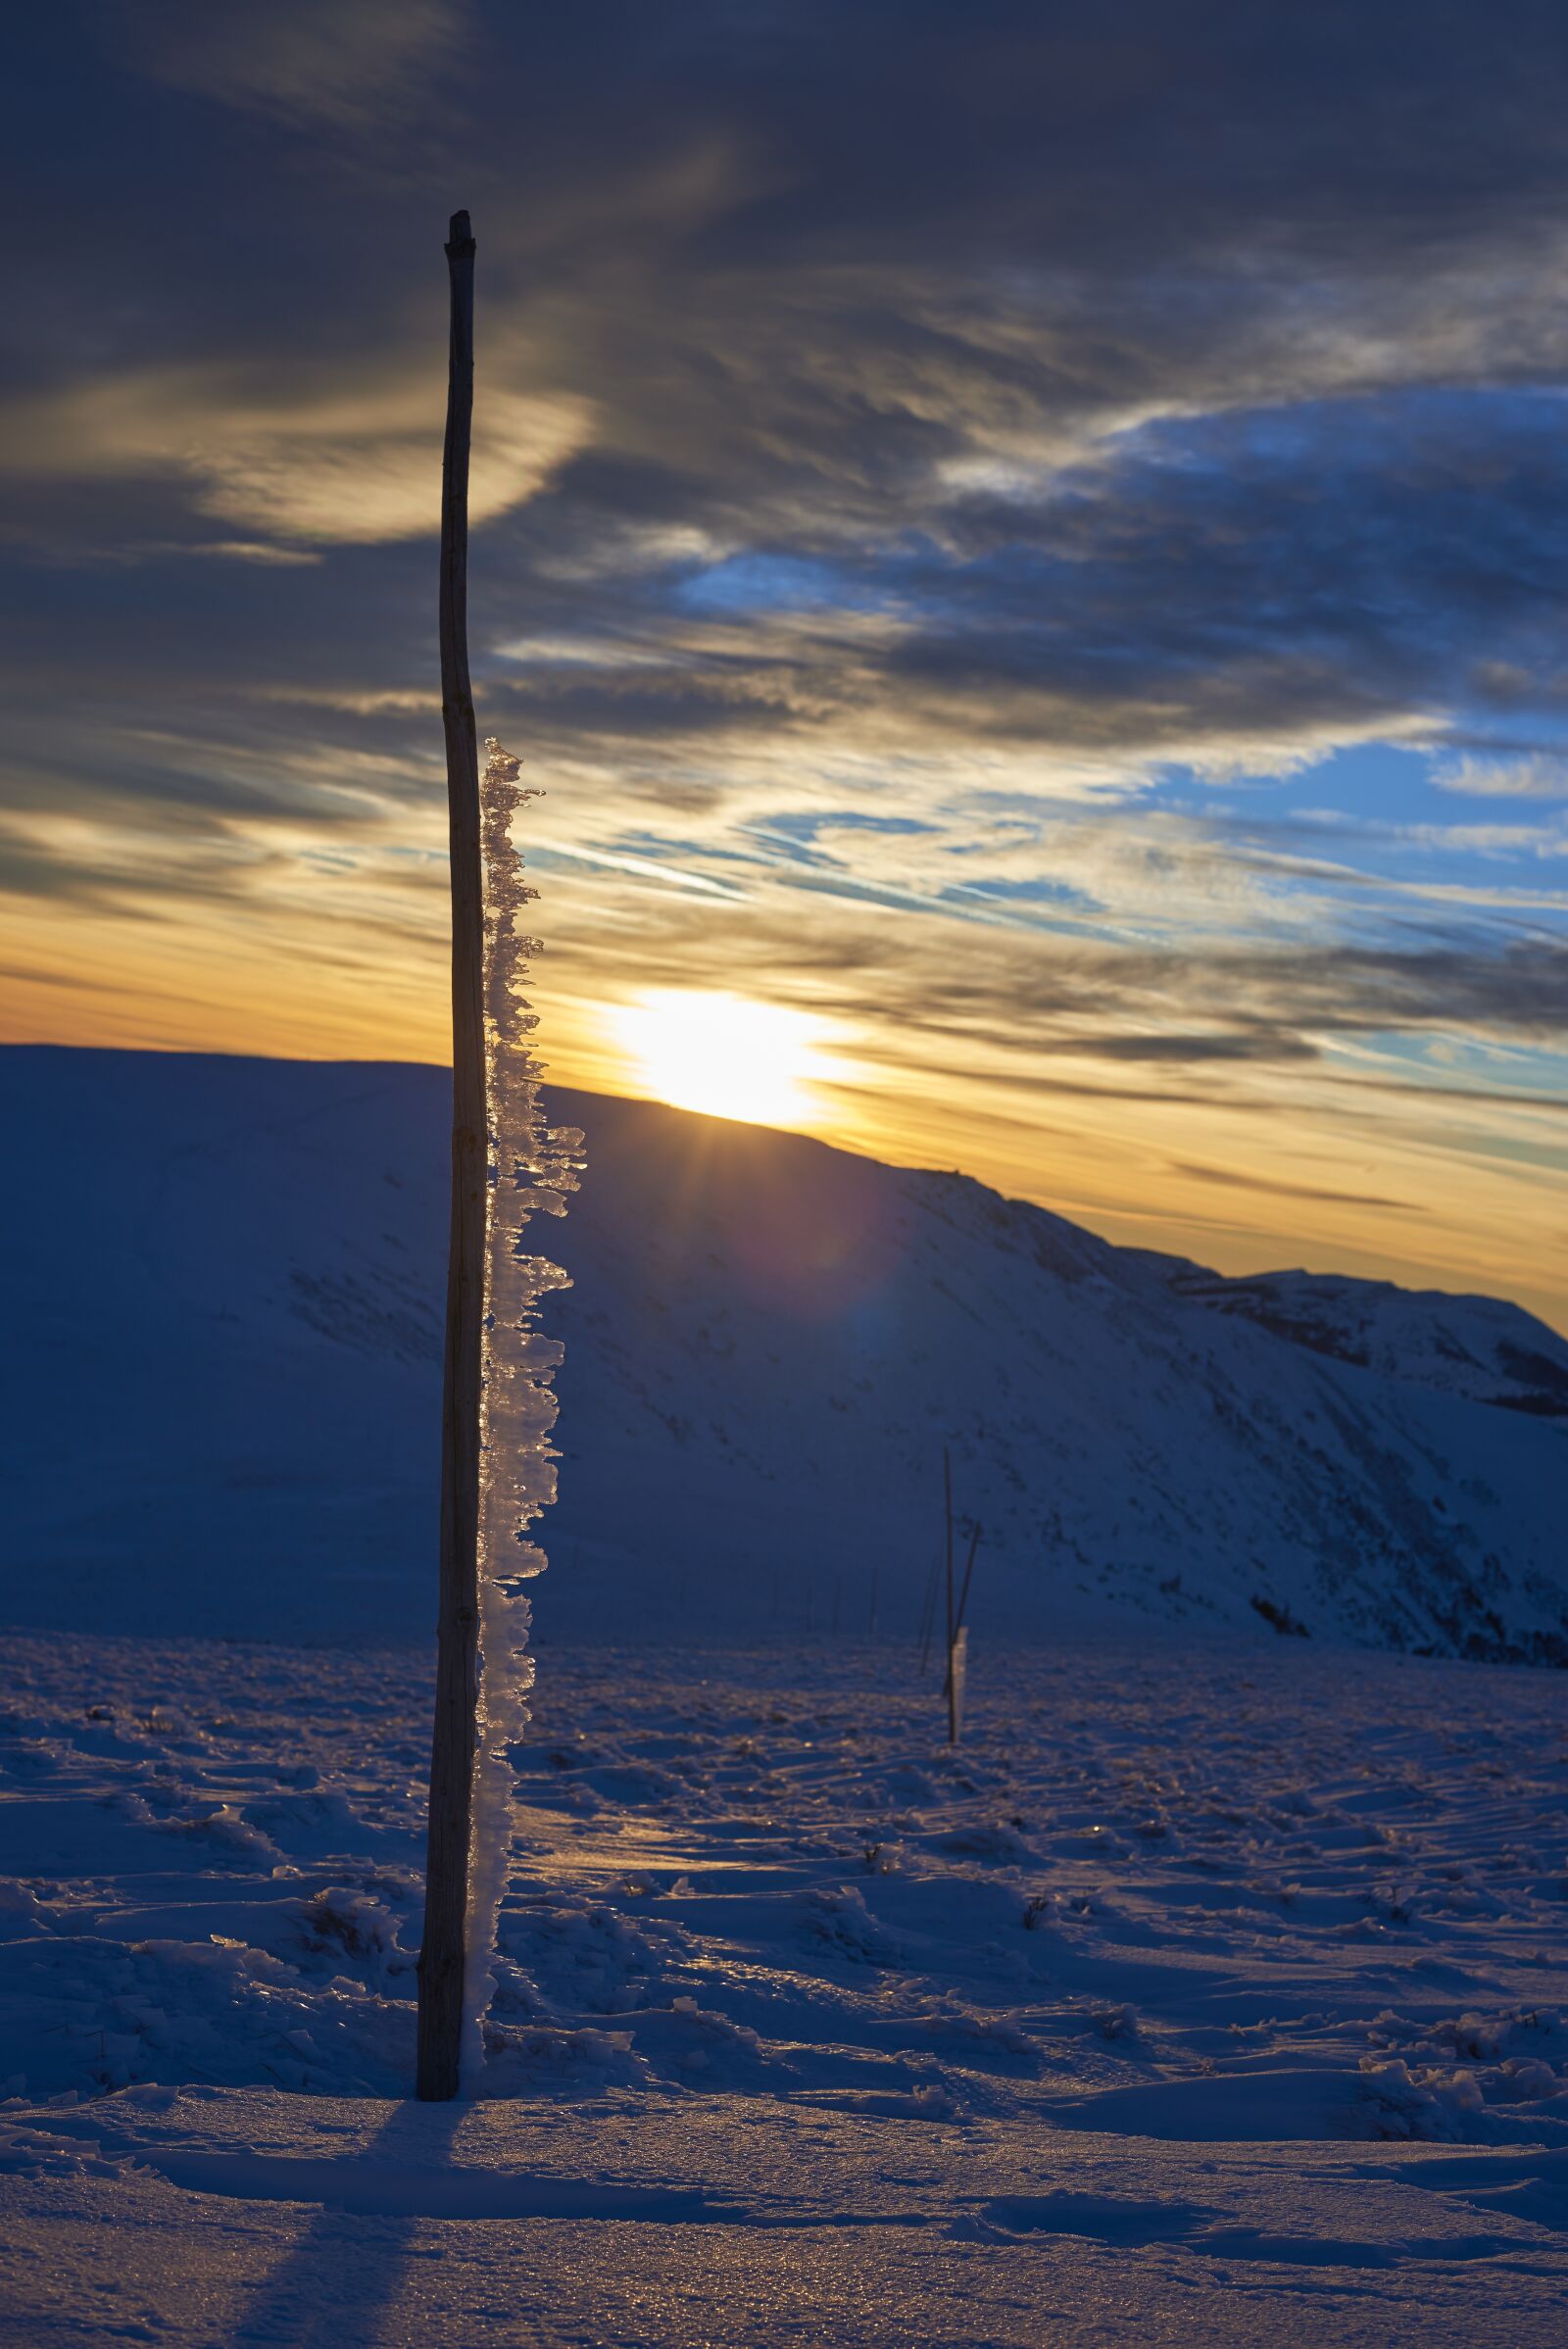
[873, 285]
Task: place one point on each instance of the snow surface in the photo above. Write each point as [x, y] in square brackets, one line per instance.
[1213, 1992]
[1204, 1996]
[232, 1295]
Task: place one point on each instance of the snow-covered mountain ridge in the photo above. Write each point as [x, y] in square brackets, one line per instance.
[225, 1286]
[1481, 1346]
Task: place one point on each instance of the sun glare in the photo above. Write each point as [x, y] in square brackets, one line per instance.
[721, 1054]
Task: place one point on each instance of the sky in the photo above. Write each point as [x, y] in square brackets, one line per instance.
[1027, 544]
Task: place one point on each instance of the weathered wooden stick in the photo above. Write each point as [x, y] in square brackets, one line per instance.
[946, 1499]
[928, 1616]
[443, 1954]
[957, 1678]
[969, 1578]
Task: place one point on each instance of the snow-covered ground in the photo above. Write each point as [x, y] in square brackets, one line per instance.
[1212, 1994]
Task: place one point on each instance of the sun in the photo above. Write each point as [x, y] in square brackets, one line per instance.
[721, 1054]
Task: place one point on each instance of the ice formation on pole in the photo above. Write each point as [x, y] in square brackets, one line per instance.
[533, 1166]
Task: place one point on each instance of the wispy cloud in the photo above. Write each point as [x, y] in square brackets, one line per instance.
[1530, 775]
[346, 460]
[337, 65]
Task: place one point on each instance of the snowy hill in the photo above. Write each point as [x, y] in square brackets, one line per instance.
[223, 1283]
[1479, 1346]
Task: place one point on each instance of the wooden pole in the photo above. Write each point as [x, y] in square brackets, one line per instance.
[957, 1679]
[969, 1578]
[946, 1499]
[928, 1612]
[443, 1954]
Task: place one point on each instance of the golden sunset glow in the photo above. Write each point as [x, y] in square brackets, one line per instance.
[721, 1054]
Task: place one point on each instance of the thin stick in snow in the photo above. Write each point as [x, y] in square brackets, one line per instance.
[952, 1692]
[928, 1613]
[968, 1577]
[497, 1470]
[443, 1953]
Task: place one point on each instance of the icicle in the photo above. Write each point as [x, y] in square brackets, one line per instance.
[534, 1167]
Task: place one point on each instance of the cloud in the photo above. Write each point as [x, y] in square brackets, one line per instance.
[370, 483]
[1241, 1181]
[339, 65]
[1529, 776]
[347, 460]
[989, 528]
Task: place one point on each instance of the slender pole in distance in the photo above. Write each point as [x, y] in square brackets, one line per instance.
[947, 1502]
[969, 1578]
[444, 1951]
